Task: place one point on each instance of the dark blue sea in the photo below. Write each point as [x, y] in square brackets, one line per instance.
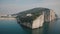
[10, 26]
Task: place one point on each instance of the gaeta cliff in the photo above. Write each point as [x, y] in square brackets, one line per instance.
[34, 18]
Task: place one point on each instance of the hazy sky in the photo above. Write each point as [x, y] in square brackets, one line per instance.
[15, 6]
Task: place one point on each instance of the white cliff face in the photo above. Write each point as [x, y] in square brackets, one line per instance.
[38, 22]
[52, 15]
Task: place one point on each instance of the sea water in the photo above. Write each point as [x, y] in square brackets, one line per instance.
[10, 26]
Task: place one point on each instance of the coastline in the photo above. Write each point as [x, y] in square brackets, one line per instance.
[7, 18]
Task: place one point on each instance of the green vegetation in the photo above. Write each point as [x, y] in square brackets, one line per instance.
[35, 13]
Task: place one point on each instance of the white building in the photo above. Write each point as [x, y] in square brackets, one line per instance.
[29, 15]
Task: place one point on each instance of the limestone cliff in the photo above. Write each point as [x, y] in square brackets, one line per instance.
[34, 18]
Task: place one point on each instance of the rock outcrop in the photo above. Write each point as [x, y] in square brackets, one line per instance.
[35, 18]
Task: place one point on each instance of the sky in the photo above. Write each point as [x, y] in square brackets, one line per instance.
[15, 6]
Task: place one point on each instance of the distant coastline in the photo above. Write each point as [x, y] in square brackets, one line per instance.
[8, 18]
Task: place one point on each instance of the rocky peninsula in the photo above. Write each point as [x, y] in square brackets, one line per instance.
[34, 18]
